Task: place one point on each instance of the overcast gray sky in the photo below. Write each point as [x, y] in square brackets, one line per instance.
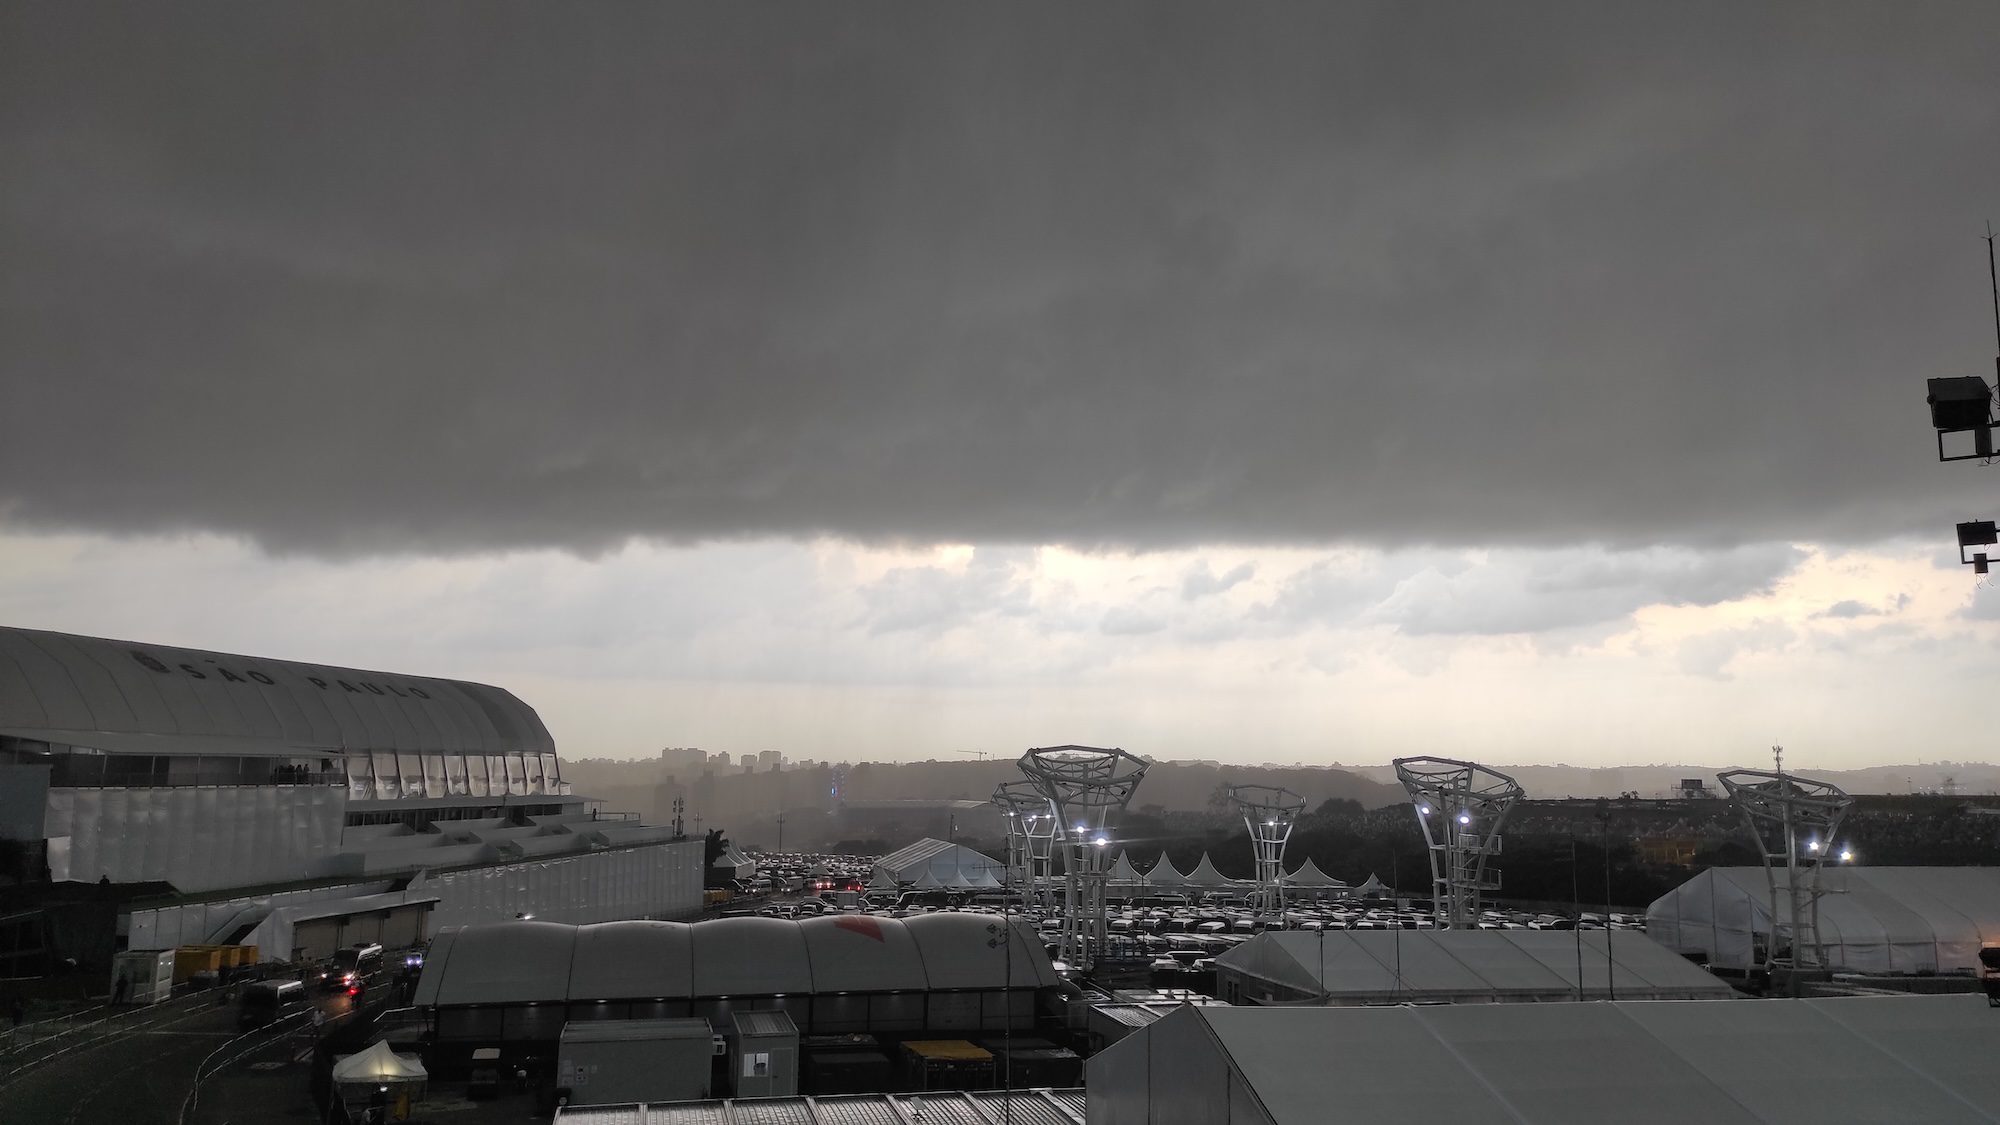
[1414, 329]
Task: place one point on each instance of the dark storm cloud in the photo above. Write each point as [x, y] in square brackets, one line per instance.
[357, 278]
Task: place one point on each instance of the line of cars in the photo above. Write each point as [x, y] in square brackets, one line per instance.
[349, 973]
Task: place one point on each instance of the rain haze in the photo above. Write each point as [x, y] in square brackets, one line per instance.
[1252, 382]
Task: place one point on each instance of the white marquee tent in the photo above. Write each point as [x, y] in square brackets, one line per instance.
[1876, 1059]
[1206, 877]
[1123, 879]
[1310, 878]
[933, 863]
[1165, 875]
[1871, 919]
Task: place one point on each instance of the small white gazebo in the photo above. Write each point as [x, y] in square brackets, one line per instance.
[377, 1070]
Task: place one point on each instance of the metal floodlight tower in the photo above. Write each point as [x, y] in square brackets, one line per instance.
[1461, 807]
[1778, 809]
[1031, 835]
[1084, 785]
[1269, 812]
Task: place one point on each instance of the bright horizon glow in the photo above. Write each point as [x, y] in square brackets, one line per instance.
[834, 651]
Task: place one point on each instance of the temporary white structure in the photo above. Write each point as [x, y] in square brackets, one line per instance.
[1206, 877]
[933, 863]
[1123, 879]
[1165, 876]
[1456, 966]
[366, 1072]
[1902, 1058]
[1871, 919]
[1310, 878]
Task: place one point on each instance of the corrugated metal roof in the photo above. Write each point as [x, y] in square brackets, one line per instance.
[763, 1023]
[94, 691]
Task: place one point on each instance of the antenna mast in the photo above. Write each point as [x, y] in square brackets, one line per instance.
[1993, 278]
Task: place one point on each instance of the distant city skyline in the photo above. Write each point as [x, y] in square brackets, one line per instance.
[1538, 383]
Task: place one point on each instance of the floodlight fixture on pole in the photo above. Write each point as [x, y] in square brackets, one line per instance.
[1269, 811]
[1084, 785]
[1789, 817]
[1461, 808]
[1031, 834]
[1976, 533]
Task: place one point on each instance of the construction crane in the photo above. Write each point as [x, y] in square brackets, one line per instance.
[980, 754]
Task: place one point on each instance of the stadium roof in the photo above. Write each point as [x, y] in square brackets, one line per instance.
[1871, 919]
[131, 697]
[537, 962]
[1903, 1058]
[1383, 966]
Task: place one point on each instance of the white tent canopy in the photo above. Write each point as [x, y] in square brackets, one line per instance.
[1207, 877]
[1310, 877]
[933, 863]
[1902, 1058]
[1123, 874]
[1373, 885]
[1871, 919]
[379, 1066]
[1164, 874]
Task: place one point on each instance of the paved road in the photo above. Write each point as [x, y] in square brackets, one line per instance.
[138, 1076]
[142, 1075]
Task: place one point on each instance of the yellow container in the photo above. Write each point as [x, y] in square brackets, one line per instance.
[192, 959]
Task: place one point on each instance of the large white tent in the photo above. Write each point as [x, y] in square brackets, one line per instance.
[1310, 878]
[1456, 966]
[1875, 1059]
[1123, 880]
[1207, 878]
[933, 863]
[1165, 876]
[377, 1068]
[1871, 919]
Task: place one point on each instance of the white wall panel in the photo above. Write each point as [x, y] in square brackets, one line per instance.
[662, 880]
[198, 838]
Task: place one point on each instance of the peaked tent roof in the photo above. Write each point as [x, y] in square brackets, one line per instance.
[379, 1064]
[1309, 875]
[1122, 872]
[1373, 885]
[1165, 874]
[1205, 875]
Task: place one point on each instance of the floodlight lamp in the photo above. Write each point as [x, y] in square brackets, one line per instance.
[1978, 533]
[1423, 810]
[1465, 818]
[1979, 564]
[1812, 845]
[1847, 855]
[1101, 841]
